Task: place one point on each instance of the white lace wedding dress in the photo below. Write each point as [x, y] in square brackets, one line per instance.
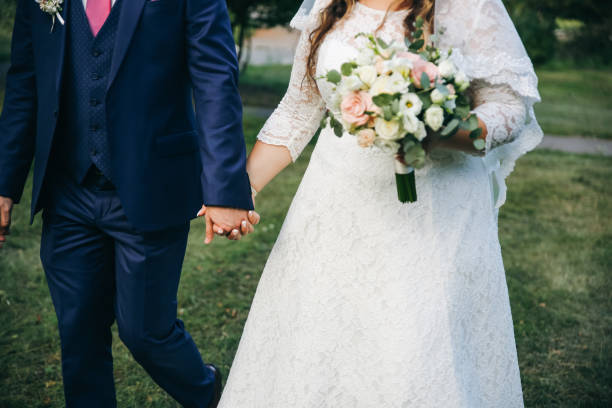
[366, 302]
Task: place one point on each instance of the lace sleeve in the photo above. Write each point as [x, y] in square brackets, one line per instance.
[297, 117]
[502, 110]
[488, 49]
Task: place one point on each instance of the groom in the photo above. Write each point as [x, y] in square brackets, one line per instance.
[105, 105]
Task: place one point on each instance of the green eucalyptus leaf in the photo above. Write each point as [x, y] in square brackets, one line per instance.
[382, 43]
[479, 144]
[409, 145]
[473, 121]
[442, 89]
[417, 45]
[464, 125]
[347, 69]
[395, 106]
[475, 134]
[425, 99]
[462, 111]
[425, 82]
[419, 22]
[387, 112]
[451, 128]
[418, 33]
[382, 100]
[334, 77]
[463, 99]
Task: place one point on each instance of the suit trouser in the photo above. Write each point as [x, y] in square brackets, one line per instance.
[99, 269]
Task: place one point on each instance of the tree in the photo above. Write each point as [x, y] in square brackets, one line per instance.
[536, 20]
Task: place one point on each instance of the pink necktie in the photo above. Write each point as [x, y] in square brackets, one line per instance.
[97, 11]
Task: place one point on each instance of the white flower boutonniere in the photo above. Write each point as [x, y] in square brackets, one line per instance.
[53, 8]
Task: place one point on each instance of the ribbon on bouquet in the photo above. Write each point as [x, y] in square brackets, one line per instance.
[406, 183]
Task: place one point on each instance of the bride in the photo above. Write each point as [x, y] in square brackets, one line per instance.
[367, 302]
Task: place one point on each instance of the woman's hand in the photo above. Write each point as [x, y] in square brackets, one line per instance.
[460, 141]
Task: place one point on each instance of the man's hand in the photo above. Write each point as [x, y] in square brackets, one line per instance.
[6, 206]
[233, 223]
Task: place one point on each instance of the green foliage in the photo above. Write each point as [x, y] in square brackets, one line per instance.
[536, 22]
[575, 106]
[334, 77]
[555, 237]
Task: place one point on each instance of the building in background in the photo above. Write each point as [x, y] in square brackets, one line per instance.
[273, 46]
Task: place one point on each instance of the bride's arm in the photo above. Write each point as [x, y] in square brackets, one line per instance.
[291, 126]
[265, 162]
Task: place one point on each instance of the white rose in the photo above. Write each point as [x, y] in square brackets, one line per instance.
[410, 123]
[461, 81]
[434, 117]
[365, 57]
[398, 83]
[388, 130]
[350, 84]
[410, 103]
[382, 85]
[437, 97]
[421, 132]
[401, 66]
[367, 74]
[447, 69]
[387, 146]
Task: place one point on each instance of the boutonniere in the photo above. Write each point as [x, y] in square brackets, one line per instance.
[53, 8]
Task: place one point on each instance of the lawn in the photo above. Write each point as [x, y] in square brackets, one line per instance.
[574, 102]
[556, 238]
[555, 232]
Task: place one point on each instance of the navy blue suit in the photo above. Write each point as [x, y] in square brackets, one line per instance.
[120, 106]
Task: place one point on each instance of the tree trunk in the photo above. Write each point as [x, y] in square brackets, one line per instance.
[243, 25]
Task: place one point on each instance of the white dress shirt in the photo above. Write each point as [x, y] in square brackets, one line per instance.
[85, 3]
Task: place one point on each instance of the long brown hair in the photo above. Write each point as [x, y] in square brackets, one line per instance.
[339, 9]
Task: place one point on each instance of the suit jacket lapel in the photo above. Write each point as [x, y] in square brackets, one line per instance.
[61, 37]
[128, 20]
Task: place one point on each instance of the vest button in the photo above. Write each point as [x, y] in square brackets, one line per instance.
[95, 128]
[96, 76]
[94, 102]
[97, 53]
[94, 152]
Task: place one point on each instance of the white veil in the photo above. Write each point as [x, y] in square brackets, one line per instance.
[486, 47]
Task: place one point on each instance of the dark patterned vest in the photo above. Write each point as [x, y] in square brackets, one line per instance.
[81, 139]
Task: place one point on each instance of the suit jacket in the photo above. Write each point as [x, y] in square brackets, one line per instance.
[167, 157]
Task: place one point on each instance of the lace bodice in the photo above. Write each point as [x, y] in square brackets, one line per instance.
[298, 116]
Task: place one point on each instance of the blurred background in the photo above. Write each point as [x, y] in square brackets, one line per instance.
[555, 229]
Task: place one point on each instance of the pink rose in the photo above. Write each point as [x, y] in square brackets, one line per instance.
[451, 89]
[419, 65]
[365, 137]
[354, 108]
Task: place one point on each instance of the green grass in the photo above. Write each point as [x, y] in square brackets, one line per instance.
[264, 85]
[556, 240]
[576, 102]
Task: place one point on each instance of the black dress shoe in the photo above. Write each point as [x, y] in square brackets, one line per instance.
[217, 388]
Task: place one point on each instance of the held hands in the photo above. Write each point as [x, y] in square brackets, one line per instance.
[6, 206]
[231, 222]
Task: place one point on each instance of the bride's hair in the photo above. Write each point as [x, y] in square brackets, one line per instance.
[339, 9]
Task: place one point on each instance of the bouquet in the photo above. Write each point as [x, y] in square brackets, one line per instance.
[394, 96]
